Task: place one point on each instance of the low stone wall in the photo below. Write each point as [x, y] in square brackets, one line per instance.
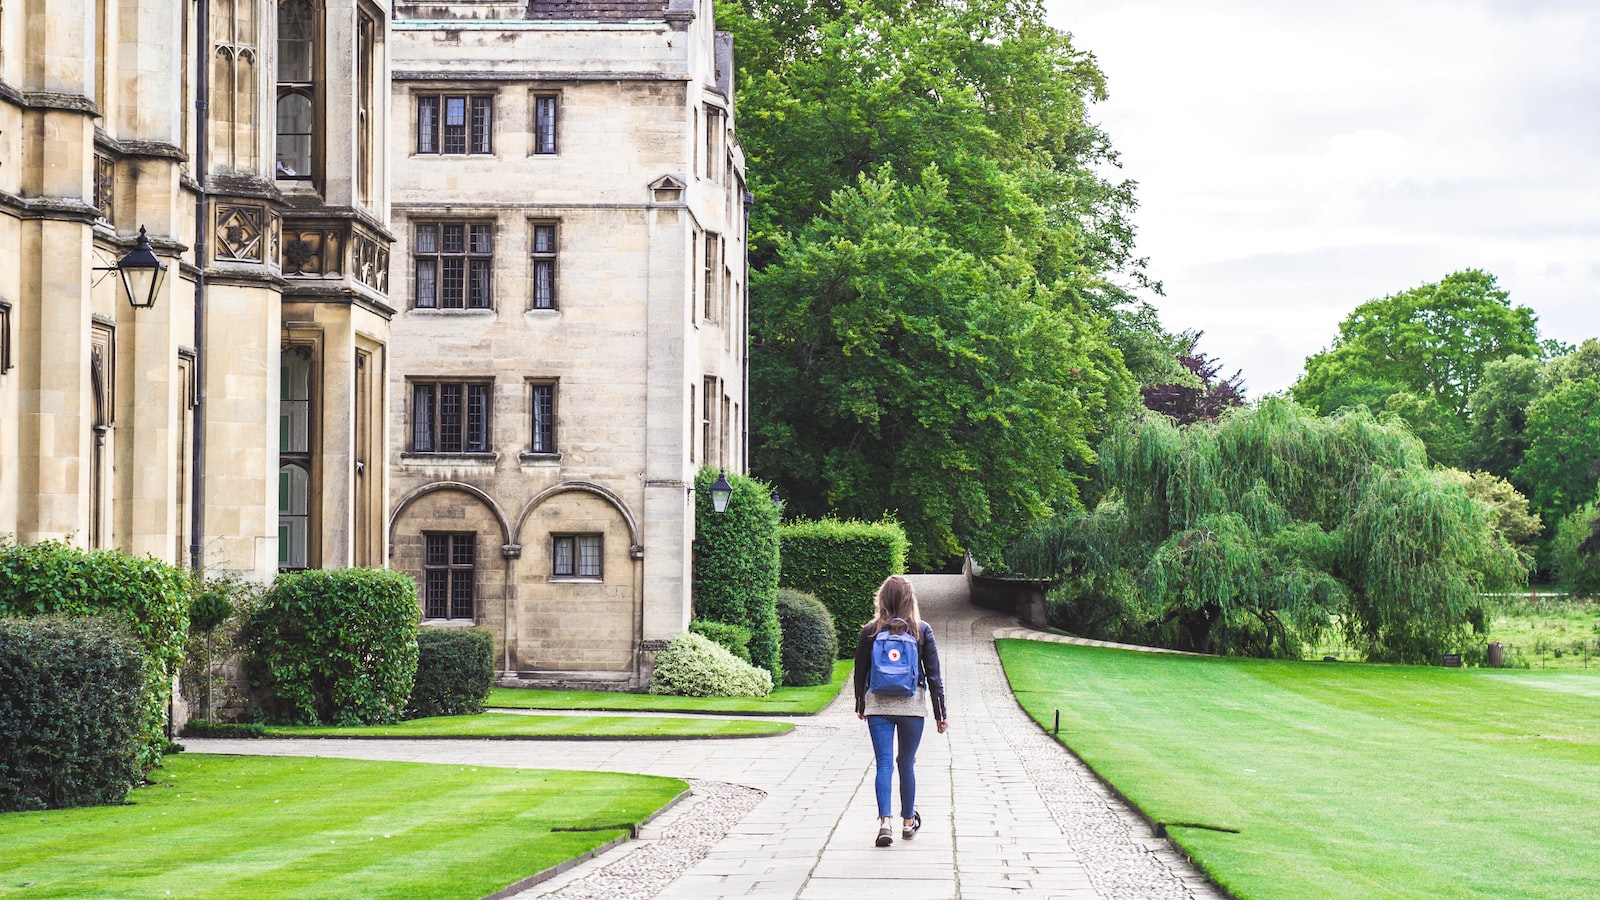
[1023, 598]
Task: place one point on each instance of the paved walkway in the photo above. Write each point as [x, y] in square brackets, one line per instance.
[1006, 811]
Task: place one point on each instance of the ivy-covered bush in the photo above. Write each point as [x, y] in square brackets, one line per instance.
[71, 712]
[810, 644]
[334, 646]
[151, 598]
[842, 563]
[455, 669]
[733, 638]
[692, 666]
[736, 564]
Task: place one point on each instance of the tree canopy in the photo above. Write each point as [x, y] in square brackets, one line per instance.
[1204, 397]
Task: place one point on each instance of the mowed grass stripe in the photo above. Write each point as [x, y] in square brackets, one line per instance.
[268, 827]
[517, 725]
[1343, 780]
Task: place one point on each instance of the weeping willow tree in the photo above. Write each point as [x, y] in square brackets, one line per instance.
[1256, 533]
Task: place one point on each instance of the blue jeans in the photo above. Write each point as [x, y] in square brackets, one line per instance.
[883, 729]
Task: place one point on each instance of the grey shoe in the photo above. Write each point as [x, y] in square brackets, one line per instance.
[910, 826]
[885, 837]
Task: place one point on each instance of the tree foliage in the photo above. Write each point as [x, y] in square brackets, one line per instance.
[1255, 533]
[1201, 398]
[1434, 340]
[1497, 411]
[1562, 462]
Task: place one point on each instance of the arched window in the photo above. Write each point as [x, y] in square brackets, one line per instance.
[297, 97]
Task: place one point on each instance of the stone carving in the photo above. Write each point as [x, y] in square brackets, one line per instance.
[372, 263]
[105, 185]
[313, 251]
[240, 232]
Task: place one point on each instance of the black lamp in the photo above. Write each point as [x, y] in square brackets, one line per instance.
[141, 273]
[720, 492]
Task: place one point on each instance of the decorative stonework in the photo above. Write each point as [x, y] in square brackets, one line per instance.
[313, 251]
[274, 236]
[241, 232]
[105, 183]
[372, 263]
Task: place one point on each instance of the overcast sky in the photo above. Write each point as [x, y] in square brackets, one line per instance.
[1296, 159]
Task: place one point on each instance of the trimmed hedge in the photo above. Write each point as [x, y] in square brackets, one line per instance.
[733, 638]
[334, 646]
[692, 666]
[809, 642]
[151, 598]
[207, 728]
[455, 669]
[71, 712]
[736, 564]
[842, 563]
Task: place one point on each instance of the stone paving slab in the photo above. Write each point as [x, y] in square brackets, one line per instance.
[1006, 810]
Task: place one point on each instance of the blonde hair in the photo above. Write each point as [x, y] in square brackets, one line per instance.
[896, 600]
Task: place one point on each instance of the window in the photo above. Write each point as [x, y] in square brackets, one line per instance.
[713, 265]
[297, 57]
[454, 265]
[544, 418]
[5, 337]
[544, 123]
[455, 123]
[708, 420]
[714, 136]
[575, 556]
[450, 417]
[294, 458]
[448, 573]
[366, 40]
[544, 265]
[294, 515]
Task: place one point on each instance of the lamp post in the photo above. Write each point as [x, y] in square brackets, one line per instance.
[141, 273]
[720, 492]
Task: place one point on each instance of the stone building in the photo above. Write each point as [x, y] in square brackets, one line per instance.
[568, 347]
[249, 140]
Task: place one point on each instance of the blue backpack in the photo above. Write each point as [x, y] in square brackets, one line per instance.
[896, 671]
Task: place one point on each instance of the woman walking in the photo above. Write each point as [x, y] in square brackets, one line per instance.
[897, 670]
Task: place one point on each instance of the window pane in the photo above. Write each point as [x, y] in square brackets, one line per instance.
[455, 111]
[561, 556]
[450, 418]
[544, 239]
[427, 239]
[477, 418]
[294, 136]
[422, 419]
[481, 239]
[462, 550]
[544, 136]
[478, 285]
[296, 32]
[453, 289]
[544, 283]
[438, 586]
[544, 425]
[589, 555]
[428, 125]
[455, 238]
[427, 295]
[482, 124]
[461, 594]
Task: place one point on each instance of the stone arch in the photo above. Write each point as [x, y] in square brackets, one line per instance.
[637, 548]
[435, 487]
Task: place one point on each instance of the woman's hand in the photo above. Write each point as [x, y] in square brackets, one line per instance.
[943, 724]
[861, 716]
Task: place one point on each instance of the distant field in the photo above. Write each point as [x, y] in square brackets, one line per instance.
[285, 827]
[787, 701]
[1538, 631]
[1333, 780]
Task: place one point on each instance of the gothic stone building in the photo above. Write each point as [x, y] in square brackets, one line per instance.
[249, 140]
[568, 347]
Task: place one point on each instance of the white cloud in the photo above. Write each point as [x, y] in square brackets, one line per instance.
[1296, 160]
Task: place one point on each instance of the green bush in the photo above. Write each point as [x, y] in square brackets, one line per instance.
[150, 597]
[692, 666]
[1576, 570]
[842, 563]
[455, 669]
[207, 728]
[334, 646]
[810, 644]
[733, 638]
[71, 712]
[736, 564]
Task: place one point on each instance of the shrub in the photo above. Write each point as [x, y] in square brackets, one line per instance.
[842, 563]
[71, 712]
[736, 564]
[335, 646]
[455, 669]
[733, 638]
[150, 597]
[212, 622]
[692, 666]
[1577, 569]
[207, 728]
[810, 644]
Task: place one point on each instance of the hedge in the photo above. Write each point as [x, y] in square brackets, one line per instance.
[455, 670]
[736, 564]
[151, 598]
[842, 563]
[733, 638]
[71, 712]
[334, 646]
[692, 666]
[809, 642]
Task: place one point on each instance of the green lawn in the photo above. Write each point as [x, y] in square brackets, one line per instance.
[515, 725]
[269, 827]
[782, 701]
[1341, 780]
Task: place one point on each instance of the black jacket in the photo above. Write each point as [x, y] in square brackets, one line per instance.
[927, 656]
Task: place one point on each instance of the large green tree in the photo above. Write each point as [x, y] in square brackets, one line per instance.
[1562, 463]
[1434, 340]
[1497, 414]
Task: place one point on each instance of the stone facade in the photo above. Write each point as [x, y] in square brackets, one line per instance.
[271, 215]
[569, 343]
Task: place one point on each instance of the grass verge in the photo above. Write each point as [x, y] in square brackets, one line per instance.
[270, 827]
[517, 725]
[1341, 780]
[788, 701]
